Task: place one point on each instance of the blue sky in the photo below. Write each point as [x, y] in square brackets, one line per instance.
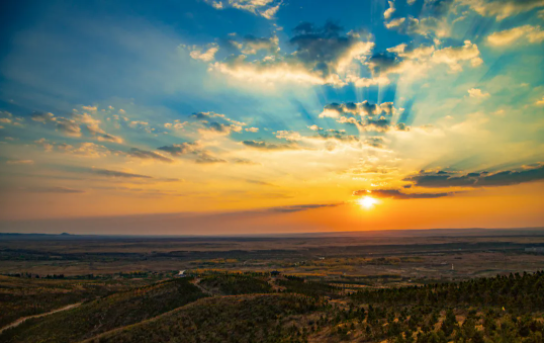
[127, 107]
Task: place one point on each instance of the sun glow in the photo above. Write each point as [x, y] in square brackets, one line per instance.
[367, 202]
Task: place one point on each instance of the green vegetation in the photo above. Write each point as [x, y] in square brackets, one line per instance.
[293, 284]
[22, 297]
[233, 284]
[106, 313]
[246, 318]
[500, 309]
[507, 308]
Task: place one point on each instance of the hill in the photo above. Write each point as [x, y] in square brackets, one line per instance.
[107, 313]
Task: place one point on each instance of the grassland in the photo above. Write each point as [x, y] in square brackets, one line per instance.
[483, 289]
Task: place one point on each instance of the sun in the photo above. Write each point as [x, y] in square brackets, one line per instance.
[367, 202]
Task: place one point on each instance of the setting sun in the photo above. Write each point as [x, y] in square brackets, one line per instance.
[367, 202]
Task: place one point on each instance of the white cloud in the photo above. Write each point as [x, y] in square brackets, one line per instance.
[265, 8]
[477, 93]
[528, 33]
[452, 56]
[388, 13]
[89, 108]
[205, 56]
[500, 9]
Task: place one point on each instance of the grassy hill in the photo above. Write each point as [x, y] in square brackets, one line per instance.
[233, 284]
[242, 318]
[22, 297]
[292, 309]
[104, 314]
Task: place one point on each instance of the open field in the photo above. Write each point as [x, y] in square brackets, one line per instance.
[331, 288]
[365, 258]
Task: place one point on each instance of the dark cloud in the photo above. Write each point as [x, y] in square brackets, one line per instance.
[321, 52]
[396, 194]
[179, 149]
[244, 161]
[206, 158]
[218, 122]
[269, 146]
[339, 135]
[299, 208]
[68, 127]
[143, 154]
[261, 183]
[113, 173]
[320, 48]
[62, 190]
[109, 138]
[383, 63]
[43, 117]
[376, 142]
[191, 149]
[365, 115]
[483, 179]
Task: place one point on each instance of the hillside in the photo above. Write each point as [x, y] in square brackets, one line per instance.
[106, 313]
[506, 308]
[22, 297]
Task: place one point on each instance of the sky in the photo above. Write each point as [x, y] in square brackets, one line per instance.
[270, 116]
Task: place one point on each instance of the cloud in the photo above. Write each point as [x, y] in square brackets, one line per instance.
[526, 33]
[244, 161]
[68, 126]
[299, 208]
[251, 129]
[500, 9]
[397, 194]
[89, 108]
[364, 115]
[58, 190]
[43, 117]
[322, 55]
[427, 26]
[205, 157]
[262, 145]
[94, 129]
[109, 138]
[177, 125]
[85, 149]
[117, 174]
[477, 93]
[252, 45]
[215, 123]
[136, 123]
[6, 118]
[442, 179]
[288, 135]
[416, 61]
[265, 8]
[452, 56]
[375, 142]
[71, 126]
[391, 9]
[192, 149]
[148, 155]
[180, 149]
[15, 162]
[207, 55]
